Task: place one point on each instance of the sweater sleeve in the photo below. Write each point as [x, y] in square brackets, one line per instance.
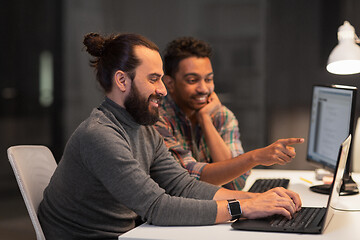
[109, 156]
[175, 179]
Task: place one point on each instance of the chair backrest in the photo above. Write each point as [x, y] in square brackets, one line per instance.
[33, 167]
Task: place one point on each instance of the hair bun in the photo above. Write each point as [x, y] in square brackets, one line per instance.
[94, 44]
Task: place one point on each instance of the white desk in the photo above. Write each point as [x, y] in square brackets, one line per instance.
[344, 224]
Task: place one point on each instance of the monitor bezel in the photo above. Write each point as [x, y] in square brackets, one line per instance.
[353, 89]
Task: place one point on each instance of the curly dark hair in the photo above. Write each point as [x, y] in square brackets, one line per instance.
[182, 48]
[113, 53]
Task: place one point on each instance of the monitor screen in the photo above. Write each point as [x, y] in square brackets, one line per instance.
[331, 121]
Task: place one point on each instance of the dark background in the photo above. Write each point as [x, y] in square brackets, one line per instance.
[267, 56]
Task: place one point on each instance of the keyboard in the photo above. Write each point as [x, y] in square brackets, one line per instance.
[301, 219]
[264, 184]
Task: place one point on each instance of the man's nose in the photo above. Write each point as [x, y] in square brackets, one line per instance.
[202, 87]
[160, 88]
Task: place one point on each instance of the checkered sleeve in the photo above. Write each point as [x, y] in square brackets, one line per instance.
[183, 156]
[229, 131]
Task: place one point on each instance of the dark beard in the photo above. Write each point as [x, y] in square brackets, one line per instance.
[138, 107]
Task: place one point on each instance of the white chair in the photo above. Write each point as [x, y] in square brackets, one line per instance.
[33, 167]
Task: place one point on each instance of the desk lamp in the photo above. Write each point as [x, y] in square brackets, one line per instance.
[344, 60]
[345, 57]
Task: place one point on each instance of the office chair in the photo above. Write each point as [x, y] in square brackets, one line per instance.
[33, 167]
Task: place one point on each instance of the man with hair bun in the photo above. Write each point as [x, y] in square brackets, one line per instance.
[116, 171]
[201, 133]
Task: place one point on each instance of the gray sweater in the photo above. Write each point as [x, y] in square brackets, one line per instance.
[114, 170]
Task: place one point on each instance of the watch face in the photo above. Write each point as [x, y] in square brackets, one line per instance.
[234, 208]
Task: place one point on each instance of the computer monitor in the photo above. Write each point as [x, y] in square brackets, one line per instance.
[331, 121]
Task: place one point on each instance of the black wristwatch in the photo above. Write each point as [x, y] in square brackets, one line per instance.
[234, 209]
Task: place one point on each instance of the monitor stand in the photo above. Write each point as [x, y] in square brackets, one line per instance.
[323, 188]
[348, 187]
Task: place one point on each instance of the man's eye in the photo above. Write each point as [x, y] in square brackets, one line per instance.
[191, 80]
[209, 79]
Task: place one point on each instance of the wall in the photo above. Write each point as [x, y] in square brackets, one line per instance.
[300, 37]
[268, 54]
[234, 28]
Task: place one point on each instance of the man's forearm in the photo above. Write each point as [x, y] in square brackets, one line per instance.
[225, 194]
[222, 205]
[220, 173]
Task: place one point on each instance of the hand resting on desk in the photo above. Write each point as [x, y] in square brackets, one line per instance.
[275, 201]
[258, 205]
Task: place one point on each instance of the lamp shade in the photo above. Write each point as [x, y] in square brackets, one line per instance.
[345, 57]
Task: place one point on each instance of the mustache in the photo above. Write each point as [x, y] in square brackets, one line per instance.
[157, 97]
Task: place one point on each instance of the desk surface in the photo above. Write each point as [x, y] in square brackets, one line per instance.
[343, 225]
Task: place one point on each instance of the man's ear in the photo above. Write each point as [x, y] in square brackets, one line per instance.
[120, 80]
[169, 83]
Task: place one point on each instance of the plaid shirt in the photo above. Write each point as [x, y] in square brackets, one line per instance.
[187, 143]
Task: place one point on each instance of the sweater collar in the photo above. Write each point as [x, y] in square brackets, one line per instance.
[119, 113]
